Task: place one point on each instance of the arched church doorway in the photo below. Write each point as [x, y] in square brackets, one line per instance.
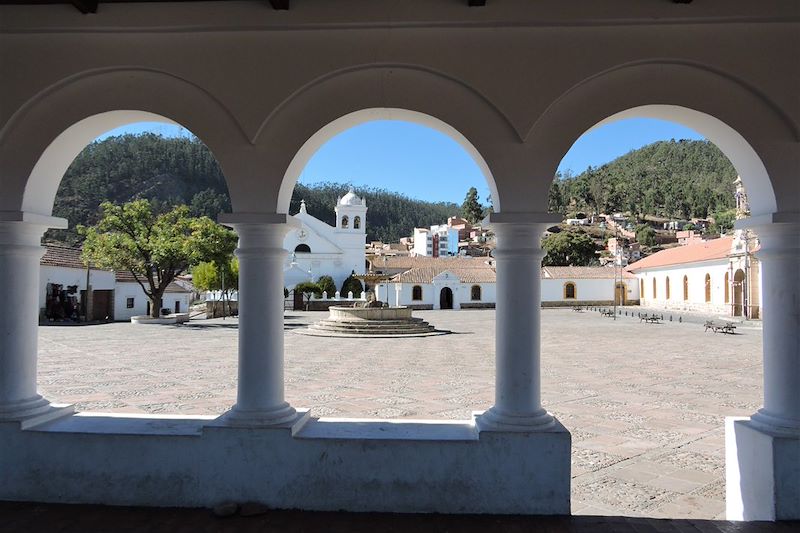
[738, 293]
[446, 298]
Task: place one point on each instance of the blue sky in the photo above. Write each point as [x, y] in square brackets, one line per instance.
[423, 163]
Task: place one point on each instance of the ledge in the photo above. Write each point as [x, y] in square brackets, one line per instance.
[371, 429]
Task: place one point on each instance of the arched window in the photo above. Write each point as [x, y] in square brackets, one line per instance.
[569, 291]
[416, 293]
[685, 288]
[655, 292]
[727, 287]
[302, 249]
[357, 223]
[708, 288]
[476, 292]
[641, 287]
[667, 287]
[345, 221]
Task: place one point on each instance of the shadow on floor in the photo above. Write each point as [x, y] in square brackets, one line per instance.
[30, 517]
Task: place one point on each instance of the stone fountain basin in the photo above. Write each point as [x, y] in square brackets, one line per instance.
[369, 313]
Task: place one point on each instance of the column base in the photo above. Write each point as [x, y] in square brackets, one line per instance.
[283, 416]
[762, 471]
[770, 422]
[496, 420]
[24, 409]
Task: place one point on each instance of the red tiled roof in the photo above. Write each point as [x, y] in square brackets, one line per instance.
[420, 261]
[61, 255]
[127, 277]
[582, 272]
[464, 275]
[690, 253]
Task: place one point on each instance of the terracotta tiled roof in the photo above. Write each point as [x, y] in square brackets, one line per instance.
[419, 261]
[61, 255]
[690, 253]
[127, 277]
[582, 272]
[464, 275]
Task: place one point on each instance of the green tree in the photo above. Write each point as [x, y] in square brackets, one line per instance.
[471, 208]
[154, 248]
[352, 284]
[223, 277]
[327, 285]
[569, 248]
[645, 235]
[723, 221]
[308, 289]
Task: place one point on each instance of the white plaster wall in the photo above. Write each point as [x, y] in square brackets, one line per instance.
[126, 290]
[696, 274]
[462, 293]
[587, 290]
[99, 279]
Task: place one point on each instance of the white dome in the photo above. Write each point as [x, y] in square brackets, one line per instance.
[350, 199]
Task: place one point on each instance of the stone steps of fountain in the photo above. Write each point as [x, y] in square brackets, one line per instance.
[374, 327]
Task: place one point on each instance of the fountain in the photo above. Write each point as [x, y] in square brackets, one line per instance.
[372, 318]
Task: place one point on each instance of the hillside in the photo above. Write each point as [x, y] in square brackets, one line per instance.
[676, 179]
[170, 171]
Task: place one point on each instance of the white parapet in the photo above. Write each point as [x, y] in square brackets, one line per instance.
[762, 472]
[313, 464]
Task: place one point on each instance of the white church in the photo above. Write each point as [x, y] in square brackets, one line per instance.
[318, 249]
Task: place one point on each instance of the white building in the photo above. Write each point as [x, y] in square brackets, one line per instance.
[568, 285]
[471, 283]
[438, 241]
[320, 249]
[719, 276]
[130, 299]
[62, 285]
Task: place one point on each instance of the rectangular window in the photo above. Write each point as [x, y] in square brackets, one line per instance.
[129, 303]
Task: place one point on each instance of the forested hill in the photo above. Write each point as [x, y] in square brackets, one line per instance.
[681, 179]
[171, 171]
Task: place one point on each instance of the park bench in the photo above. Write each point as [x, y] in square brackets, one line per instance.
[607, 312]
[716, 327]
[578, 309]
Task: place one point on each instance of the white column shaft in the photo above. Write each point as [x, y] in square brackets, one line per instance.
[20, 253]
[260, 393]
[780, 268]
[518, 342]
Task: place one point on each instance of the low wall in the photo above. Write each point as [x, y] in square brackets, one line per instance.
[215, 309]
[370, 313]
[407, 466]
[481, 305]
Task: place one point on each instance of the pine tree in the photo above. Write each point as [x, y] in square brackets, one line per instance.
[471, 208]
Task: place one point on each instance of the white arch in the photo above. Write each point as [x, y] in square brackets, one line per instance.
[42, 186]
[744, 158]
[356, 118]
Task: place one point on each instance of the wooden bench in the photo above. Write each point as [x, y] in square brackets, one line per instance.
[578, 309]
[607, 312]
[727, 328]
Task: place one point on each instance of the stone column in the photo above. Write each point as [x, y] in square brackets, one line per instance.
[20, 252]
[518, 256]
[260, 393]
[780, 278]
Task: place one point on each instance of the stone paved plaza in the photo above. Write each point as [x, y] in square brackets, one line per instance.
[645, 402]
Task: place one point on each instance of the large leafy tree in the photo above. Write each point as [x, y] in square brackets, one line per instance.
[153, 247]
[569, 248]
[472, 208]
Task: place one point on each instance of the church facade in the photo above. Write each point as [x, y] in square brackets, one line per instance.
[319, 249]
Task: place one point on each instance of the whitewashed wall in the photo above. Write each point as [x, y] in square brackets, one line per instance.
[587, 290]
[99, 279]
[401, 293]
[696, 274]
[133, 290]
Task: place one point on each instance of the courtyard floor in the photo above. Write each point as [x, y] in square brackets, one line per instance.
[645, 403]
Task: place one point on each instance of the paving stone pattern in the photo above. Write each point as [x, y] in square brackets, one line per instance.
[645, 402]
